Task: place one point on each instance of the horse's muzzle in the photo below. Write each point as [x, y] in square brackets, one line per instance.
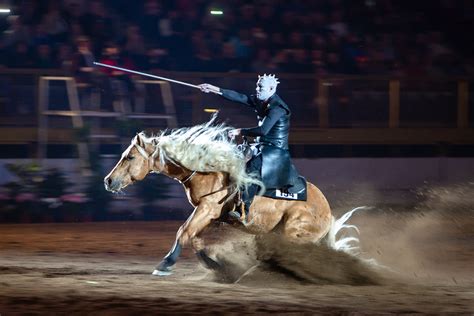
[110, 185]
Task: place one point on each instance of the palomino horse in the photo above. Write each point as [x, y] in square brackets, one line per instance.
[211, 169]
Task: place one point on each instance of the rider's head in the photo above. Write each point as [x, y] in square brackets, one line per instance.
[266, 86]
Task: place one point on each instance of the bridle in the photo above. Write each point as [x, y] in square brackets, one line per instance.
[145, 155]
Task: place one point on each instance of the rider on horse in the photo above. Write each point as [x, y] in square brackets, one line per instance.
[271, 157]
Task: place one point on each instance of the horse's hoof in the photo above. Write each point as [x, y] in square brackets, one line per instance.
[162, 273]
[163, 269]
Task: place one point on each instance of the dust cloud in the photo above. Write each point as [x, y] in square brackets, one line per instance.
[271, 260]
[429, 241]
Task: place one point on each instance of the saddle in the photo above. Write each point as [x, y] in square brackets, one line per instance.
[297, 192]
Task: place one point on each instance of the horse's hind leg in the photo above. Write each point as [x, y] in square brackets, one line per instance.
[303, 227]
[164, 268]
[201, 254]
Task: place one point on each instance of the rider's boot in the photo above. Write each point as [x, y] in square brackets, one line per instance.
[241, 212]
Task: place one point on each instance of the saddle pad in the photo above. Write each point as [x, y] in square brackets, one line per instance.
[295, 193]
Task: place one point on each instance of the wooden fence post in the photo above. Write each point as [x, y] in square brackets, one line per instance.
[394, 104]
[463, 105]
[323, 104]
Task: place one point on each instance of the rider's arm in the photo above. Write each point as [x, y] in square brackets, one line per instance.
[228, 94]
[236, 97]
[274, 114]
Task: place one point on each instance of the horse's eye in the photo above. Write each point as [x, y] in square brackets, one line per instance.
[129, 157]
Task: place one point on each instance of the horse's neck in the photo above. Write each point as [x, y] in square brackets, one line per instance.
[175, 170]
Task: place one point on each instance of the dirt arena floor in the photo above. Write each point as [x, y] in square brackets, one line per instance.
[425, 263]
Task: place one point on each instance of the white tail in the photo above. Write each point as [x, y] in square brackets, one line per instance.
[348, 244]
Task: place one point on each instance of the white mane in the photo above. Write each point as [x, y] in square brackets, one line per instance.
[206, 148]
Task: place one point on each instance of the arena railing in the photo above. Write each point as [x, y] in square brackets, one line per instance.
[326, 109]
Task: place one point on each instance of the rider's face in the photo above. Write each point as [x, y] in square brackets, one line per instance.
[264, 90]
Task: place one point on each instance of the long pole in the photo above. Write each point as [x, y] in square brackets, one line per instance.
[147, 75]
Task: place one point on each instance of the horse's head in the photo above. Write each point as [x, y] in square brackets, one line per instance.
[136, 162]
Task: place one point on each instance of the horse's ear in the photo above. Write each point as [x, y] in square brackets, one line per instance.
[140, 141]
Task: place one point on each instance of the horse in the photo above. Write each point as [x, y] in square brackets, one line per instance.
[211, 168]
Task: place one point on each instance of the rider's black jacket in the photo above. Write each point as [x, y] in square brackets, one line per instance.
[272, 136]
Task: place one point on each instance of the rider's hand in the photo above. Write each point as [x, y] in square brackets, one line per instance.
[234, 133]
[205, 87]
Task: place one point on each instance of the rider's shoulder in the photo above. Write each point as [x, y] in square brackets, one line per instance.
[276, 102]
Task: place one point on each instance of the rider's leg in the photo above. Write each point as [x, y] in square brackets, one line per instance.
[247, 197]
[253, 166]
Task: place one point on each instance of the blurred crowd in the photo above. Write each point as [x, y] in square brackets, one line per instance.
[385, 37]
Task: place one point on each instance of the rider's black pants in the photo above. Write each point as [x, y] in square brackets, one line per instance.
[254, 166]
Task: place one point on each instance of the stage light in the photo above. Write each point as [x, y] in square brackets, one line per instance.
[2, 10]
[211, 110]
[217, 12]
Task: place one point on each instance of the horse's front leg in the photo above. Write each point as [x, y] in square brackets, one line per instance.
[188, 233]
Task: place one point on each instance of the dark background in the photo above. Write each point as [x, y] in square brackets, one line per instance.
[372, 84]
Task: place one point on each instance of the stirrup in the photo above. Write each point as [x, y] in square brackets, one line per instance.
[234, 215]
[242, 216]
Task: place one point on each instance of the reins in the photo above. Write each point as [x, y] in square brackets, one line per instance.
[187, 178]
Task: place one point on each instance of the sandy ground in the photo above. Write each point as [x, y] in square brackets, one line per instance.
[104, 268]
